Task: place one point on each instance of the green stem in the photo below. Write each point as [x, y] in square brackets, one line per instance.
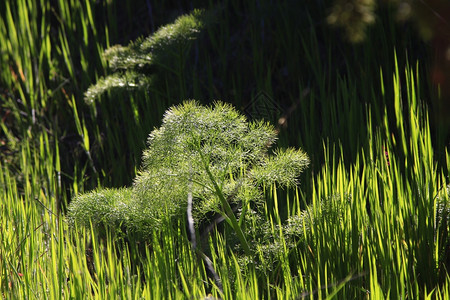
[228, 213]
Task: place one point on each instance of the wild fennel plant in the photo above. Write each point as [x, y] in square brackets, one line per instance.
[215, 154]
[135, 65]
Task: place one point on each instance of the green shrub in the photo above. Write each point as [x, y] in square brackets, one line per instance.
[212, 153]
[135, 65]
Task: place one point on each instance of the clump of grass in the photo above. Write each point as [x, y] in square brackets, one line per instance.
[373, 228]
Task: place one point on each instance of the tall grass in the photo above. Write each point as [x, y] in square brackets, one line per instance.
[385, 242]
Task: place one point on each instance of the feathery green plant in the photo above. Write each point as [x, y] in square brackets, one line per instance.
[134, 64]
[211, 152]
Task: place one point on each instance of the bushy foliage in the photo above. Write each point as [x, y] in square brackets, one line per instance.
[296, 230]
[194, 146]
[133, 65]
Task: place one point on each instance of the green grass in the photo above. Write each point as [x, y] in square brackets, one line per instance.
[364, 121]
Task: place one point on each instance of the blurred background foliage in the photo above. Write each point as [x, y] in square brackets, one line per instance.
[430, 18]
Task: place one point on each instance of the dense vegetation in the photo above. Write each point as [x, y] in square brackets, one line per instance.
[369, 217]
